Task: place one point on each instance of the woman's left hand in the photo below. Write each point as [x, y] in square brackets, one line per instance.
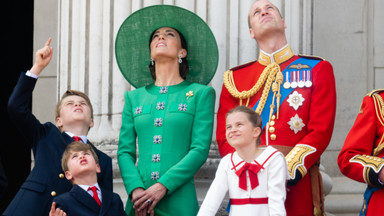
[151, 197]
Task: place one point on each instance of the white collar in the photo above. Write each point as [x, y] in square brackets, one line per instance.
[83, 137]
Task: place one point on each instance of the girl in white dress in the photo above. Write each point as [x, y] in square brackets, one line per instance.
[254, 177]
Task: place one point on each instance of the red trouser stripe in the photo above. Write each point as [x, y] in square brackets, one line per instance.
[249, 201]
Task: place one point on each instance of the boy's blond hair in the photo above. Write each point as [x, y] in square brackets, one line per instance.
[76, 147]
[73, 93]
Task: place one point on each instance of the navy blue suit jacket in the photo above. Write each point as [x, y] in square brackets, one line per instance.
[79, 202]
[48, 144]
[3, 179]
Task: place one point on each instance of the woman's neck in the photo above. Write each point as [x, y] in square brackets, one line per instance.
[167, 74]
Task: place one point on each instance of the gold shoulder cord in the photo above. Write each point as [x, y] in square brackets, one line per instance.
[379, 108]
[270, 73]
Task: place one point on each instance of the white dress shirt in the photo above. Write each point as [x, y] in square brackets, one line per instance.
[85, 187]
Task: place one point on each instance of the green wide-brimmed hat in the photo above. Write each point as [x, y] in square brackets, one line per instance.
[132, 43]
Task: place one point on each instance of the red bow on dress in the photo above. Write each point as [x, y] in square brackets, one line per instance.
[253, 169]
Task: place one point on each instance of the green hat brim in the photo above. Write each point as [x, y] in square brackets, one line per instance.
[133, 38]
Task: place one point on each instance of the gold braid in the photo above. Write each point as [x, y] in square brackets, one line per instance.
[379, 108]
[276, 93]
[267, 76]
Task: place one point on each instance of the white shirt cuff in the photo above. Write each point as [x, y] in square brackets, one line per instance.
[28, 73]
[380, 182]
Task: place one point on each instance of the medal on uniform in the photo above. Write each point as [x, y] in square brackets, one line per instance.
[287, 84]
[295, 100]
[296, 124]
[294, 82]
[308, 82]
[301, 82]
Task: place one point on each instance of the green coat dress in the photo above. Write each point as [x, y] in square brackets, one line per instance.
[173, 126]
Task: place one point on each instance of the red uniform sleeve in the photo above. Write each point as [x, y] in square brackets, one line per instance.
[227, 102]
[319, 117]
[322, 112]
[361, 140]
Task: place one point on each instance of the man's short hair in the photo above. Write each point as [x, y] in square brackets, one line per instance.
[249, 17]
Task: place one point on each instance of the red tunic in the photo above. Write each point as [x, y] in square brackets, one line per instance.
[355, 159]
[317, 113]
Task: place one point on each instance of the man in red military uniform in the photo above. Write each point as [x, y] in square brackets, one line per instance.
[361, 157]
[296, 97]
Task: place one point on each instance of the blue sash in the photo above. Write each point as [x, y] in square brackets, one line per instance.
[283, 91]
[367, 196]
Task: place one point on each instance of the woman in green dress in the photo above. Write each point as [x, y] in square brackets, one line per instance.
[170, 114]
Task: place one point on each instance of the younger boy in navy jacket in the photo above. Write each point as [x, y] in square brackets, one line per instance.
[81, 165]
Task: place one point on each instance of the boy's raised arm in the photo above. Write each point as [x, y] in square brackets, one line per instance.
[42, 58]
